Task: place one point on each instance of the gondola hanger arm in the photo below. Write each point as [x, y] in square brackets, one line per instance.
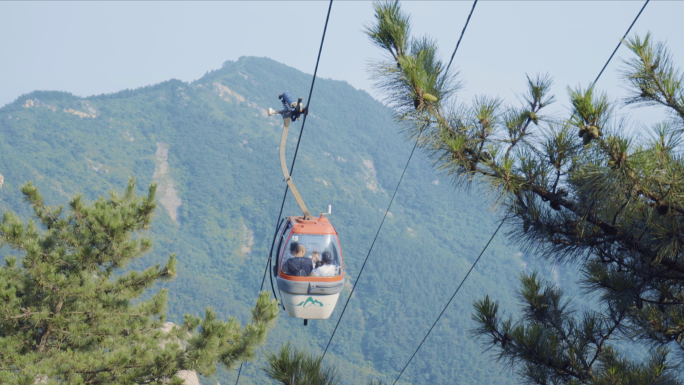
[292, 110]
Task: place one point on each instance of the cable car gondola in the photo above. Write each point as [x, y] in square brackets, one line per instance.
[308, 261]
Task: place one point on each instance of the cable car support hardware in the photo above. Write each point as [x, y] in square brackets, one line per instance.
[292, 111]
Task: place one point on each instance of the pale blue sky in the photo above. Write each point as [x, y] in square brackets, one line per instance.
[100, 47]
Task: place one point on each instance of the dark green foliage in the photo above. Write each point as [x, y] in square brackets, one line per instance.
[292, 366]
[554, 344]
[609, 202]
[68, 314]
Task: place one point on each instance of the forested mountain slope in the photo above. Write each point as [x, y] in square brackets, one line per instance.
[214, 152]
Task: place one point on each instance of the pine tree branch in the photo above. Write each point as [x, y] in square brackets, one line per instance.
[24, 315]
[599, 346]
[43, 339]
[608, 229]
[668, 99]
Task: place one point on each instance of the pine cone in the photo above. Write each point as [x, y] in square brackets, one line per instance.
[594, 131]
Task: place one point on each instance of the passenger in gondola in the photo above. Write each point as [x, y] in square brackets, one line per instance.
[327, 269]
[299, 265]
[316, 259]
[291, 254]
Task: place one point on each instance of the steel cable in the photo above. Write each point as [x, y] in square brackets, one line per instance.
[620, 43]
[294, 159]
[452, 297]
[461, 37]
[372, 244]
[395, 193]
[299, 139]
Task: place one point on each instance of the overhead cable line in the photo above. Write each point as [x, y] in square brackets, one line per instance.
[313, 81]
[372, 244]
[299, 139]
[270, 253]
[294, 159]
[620, 43]
[461, 37]
[452, 297]
[393, 195]
[504, 219]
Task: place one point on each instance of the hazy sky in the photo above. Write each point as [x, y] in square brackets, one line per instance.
[100, 47]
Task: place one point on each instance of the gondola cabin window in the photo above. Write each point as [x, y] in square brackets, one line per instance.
[321, 251]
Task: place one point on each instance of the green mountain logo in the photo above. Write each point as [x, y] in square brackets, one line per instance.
[310, 302]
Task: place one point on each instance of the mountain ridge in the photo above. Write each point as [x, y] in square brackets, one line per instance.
[221, 155]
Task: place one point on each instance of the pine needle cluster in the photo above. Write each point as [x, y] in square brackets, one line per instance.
[69, 313]
[582, 190]
[293, 366]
